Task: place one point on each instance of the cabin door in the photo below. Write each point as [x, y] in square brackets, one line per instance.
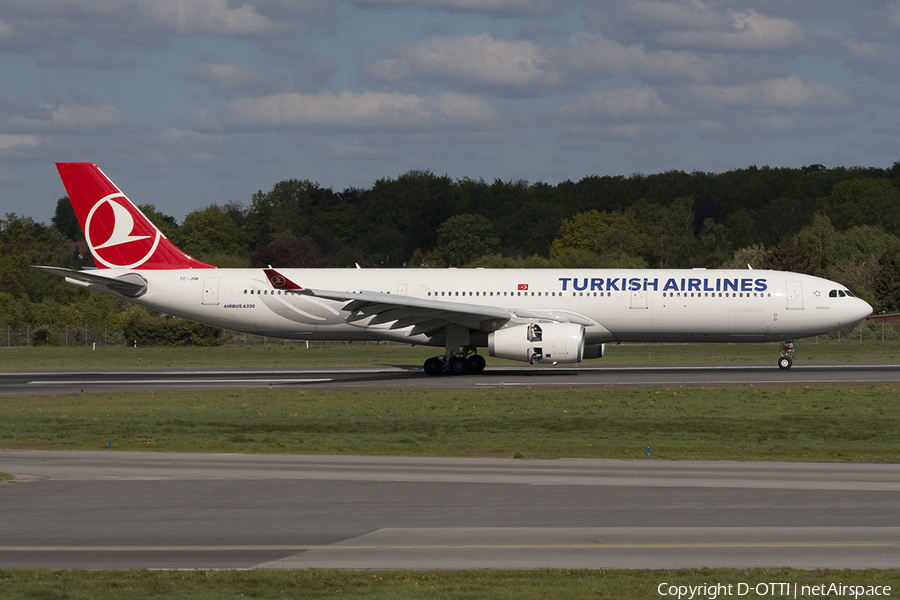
[211, 290]
[794, 295]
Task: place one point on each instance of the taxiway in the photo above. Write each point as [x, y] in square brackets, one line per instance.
[162, 510]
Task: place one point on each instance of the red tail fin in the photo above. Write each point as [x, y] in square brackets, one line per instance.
[118, 234]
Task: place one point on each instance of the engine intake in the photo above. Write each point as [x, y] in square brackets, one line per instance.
[539, 342]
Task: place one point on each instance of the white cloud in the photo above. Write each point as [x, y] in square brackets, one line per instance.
[592, 55]
[205, 17]
[785, 93]
[521, 68]
[54, 22]
[617, 105]
[696, 25]
[468, 61]
[231, 79]
[69, 119]
[762, 126]
[654, 16]
[10, 142]
[498, 7]
[747, 31]
[368, 111]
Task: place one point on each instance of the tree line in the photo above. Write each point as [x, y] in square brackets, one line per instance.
[840, 223]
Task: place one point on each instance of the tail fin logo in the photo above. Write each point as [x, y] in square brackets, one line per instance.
[118, 234]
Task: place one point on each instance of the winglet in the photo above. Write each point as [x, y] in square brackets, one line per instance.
[280, 282]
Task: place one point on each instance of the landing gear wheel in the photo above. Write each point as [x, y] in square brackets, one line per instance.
[458, 365]
[476, 363]
[785, 362]
[433, 366]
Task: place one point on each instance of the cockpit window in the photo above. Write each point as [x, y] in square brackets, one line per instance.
[841, 294]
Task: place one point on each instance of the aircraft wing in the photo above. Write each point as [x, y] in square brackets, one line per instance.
[131, 284]
[424, 314]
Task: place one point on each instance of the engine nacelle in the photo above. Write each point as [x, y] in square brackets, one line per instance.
[539, 342]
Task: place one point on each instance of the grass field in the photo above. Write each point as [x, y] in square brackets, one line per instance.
[823, 423]
[277, 354]
[433, 585]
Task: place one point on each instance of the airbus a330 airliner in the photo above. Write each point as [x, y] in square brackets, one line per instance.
[529, 315]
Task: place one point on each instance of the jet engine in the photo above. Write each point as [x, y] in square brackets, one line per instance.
[539, 342]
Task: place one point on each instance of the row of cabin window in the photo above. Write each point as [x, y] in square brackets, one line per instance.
[833, 294]
[488, 293]
[602, 294]
[713, 295]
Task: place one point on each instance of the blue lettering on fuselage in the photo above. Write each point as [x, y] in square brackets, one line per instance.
[636, 284]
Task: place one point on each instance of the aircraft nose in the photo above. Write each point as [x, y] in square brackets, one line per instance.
[862, 310]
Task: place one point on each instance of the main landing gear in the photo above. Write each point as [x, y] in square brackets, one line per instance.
[455, 363]
[785, 361]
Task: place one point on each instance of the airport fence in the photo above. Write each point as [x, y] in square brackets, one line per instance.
[110, 335]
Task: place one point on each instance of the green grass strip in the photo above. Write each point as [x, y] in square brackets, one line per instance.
[823, 423]
[277, 354]
[433, 585]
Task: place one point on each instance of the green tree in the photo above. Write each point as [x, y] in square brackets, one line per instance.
[65, 221]
[291, 206]
[669, 233]
[463, 238]
[165, 223]
[289, 252]
[750, 257]
[598, 239]
[863, 258]
[210, 232]
[402, 215]
[864, 202]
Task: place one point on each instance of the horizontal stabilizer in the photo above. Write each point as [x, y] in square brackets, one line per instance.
[131, 284]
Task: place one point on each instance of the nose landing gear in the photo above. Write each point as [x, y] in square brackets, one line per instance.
[785, 361]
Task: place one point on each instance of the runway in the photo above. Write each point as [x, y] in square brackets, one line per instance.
[164, 510]
[53, 382]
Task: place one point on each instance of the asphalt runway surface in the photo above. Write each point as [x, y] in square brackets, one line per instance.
[51, 382]
[188, 511]
[155, 510]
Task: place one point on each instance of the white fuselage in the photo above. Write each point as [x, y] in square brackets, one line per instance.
[614, 305]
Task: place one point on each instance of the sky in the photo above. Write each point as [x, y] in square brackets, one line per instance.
[186, 103]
